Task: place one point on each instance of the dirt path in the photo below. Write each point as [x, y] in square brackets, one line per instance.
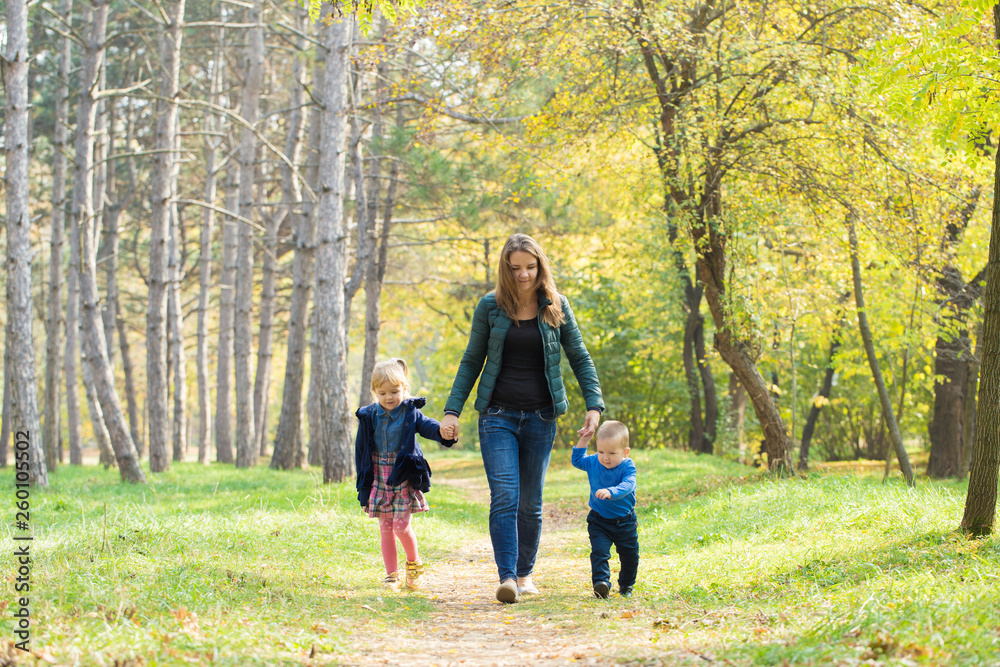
[470, 629]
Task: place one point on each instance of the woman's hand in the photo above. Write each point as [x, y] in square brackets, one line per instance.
[449, 427]
[590, 423]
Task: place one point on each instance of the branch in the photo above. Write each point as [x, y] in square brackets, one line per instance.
[457, 115]
[119, 92]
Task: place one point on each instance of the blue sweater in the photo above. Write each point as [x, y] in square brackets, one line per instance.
[620, 481]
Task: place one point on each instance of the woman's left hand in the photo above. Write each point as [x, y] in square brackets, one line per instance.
[590, 423]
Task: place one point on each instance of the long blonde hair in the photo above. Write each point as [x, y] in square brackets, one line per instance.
[506, 290]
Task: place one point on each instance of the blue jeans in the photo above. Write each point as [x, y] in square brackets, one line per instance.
[516, 447]
[621, 532]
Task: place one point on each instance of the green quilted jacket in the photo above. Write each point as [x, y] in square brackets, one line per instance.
[489, 329]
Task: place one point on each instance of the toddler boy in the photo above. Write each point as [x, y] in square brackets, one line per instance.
[612, 506]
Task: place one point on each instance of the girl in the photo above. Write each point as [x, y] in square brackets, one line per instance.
[392, 472]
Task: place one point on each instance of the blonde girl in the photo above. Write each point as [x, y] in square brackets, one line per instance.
[393, 474]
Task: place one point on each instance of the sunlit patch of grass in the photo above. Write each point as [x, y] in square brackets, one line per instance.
[240, 567]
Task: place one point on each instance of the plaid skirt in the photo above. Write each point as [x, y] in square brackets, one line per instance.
[392, 501]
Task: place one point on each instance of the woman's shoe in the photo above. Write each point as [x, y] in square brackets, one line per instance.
[507, 592]
[391, 581]
[525, 586]
[414, 574]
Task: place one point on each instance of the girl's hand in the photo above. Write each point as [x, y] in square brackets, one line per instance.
[449, 427]
[590, 423]
[603, 494]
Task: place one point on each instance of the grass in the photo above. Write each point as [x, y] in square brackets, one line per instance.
[261, 567]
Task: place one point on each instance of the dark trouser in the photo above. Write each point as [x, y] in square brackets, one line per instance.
[621, 532]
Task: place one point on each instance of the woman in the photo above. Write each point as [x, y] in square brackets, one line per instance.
[518, 330]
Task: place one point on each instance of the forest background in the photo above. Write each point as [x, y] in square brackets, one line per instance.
[701, 175]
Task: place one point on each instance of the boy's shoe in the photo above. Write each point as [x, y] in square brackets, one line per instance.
[626, 592]
[391, 581]
[602, 590]
[414, 574]
[528, 588]
[507, 592]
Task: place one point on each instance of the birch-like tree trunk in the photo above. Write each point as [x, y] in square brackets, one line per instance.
[331, 259]
[161, 186]
[176, 323]
[373, 288]
[227, 314]
[130, 394]
[212, 144]
[315, 448]
[265, 335]
[25, 424]
[288, 438]
[93, 334]
[87, 183]
[52, 436]
[246, 443]
[866, 336]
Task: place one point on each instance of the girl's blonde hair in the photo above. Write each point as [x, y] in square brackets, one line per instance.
[506, 290]
[394, 371]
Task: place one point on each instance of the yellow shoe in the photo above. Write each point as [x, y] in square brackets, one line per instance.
[391, 581]
[414, 574]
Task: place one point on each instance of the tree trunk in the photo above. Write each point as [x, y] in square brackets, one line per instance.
[981, 501]
[946, 429]
[710, 240]
[265, 335]
[93, 334]
[246, 442]
[288, 439]
[5, 424]
[696, 430]
[212, 144]
[84, 177]
[331, 259]
[227, 313]
[969, 419]
[866, 336]
[162, 181]
[130, 394]
[315, 453]
[708, 386]
[373, 287]
[824, 393]
[737, 414]
[52, 437]
[176, 321]
[24, 421]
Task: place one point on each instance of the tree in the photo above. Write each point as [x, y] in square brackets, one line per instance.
[54, 317]
[330, 362]
[92, 327]
[866, 336]
[162, 181]
[20, 341]
[246, 444]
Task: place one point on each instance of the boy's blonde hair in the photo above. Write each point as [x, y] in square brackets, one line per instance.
[394, 371]
[615, 433]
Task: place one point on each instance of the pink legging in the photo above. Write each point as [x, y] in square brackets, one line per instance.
[391, 529]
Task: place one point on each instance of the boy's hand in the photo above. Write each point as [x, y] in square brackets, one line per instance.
[584, 441]
[602, 494]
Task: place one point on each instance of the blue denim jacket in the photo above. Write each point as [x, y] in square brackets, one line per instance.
[410, 465]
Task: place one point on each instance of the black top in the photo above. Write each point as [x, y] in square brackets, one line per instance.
[521, 384]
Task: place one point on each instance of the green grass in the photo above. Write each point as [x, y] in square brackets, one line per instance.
[260, 567]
